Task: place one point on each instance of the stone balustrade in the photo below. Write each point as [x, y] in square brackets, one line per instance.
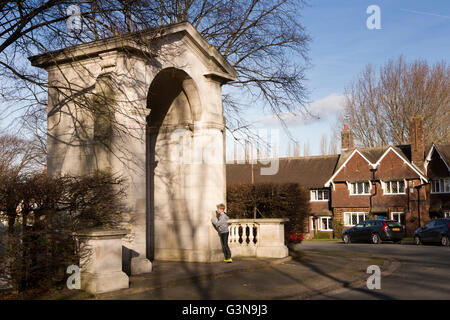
[263, 238]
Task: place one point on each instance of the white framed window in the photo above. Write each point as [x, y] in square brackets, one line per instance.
[399, 217]
[359, 188]
[447, 214]
[319, 195]
[353, 218]
[441, 185]
[394, 187]
[325, 224]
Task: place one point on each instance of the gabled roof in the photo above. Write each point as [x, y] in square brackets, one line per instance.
[311, 172]
[374, 156]
[126, 42]
[444, 152]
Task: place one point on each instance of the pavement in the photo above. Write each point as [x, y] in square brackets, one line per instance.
[304, 274]
[422, 272]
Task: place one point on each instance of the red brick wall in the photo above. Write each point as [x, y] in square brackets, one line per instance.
[393, 167]
[355, 168]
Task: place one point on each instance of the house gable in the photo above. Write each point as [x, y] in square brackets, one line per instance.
[355, 168]
[393, 166]
[435, 164]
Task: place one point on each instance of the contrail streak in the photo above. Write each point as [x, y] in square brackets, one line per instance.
[426, 13]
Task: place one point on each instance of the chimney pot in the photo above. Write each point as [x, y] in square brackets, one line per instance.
[346, 139]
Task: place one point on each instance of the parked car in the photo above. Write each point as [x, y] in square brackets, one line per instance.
[375, 231]
[436, 230]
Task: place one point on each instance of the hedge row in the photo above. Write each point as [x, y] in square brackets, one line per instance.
[289, 200]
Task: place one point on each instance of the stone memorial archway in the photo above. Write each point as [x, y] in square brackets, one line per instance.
[169, 136]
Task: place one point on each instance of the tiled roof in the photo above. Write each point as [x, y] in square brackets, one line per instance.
[310, 172]
[314, 171]
[444, 150]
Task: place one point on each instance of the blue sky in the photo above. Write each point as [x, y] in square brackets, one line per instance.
[342, 45]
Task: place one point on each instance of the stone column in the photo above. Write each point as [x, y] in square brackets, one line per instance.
[101, 260]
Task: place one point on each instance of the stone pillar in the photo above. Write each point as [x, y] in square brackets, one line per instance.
[101, 260]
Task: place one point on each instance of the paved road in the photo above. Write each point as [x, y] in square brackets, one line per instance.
[424, 271]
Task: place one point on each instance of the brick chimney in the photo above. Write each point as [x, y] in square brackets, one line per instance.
[417, 140]
[346, 139]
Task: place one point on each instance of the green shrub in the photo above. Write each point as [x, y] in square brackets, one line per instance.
[338, 227]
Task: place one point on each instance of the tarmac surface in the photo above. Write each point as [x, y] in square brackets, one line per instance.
[303, 275]
[423, 272]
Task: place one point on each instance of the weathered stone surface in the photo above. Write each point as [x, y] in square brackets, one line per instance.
[267, 241]
[101, 260]
[167, 98]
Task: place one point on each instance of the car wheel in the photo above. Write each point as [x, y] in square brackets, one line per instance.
[417, 240]
[376, 238]
[346, 239]
[444, 241]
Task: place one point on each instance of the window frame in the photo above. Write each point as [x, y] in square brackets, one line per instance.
[351, 213]
[399, 213]
[354, 185]
[327, 224]
[391, 192]
[444, 183]
[316, 197]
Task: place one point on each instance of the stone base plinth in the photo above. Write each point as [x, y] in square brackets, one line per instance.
[140, 266]
[104, 282]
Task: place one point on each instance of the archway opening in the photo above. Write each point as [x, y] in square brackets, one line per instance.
[172, 99]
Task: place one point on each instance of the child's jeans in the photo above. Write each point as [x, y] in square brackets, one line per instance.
[224, 242]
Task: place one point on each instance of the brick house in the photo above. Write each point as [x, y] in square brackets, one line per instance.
[392, 182]
[437, 168]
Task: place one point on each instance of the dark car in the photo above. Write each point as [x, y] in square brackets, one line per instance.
[436, 231]
[375, 231]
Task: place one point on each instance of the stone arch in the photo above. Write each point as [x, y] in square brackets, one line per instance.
[170, 88]
[174, 103]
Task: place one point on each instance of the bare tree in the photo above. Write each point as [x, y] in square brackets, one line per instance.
[306, 148]
[296, 149]
[380, 104]
[16, 155]
[258, 37]
[324, 144]
[332, 146]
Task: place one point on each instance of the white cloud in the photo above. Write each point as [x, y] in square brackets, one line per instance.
[322, 109]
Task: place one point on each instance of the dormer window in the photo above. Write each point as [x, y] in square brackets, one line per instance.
[319, 195]
[359, 188]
